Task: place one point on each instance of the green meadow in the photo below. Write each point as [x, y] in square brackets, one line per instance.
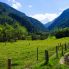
[23, 54]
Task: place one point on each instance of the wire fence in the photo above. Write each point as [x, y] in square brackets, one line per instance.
[45, 55]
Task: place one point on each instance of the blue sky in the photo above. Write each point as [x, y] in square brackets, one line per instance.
[43, 10]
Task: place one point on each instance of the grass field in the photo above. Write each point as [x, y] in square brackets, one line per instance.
[24, 54]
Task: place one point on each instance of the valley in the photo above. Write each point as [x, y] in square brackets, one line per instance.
[27, 43]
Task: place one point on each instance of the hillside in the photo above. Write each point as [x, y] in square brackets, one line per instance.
[47, 24]
[31, 24]
[61, 22]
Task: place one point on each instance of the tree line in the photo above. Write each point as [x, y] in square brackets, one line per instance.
[8, 32]
[60, 33]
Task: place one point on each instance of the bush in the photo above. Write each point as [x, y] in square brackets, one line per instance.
[62, 33]
[35, 37]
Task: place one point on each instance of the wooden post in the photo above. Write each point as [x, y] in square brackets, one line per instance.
[9, 63]
[56, 51]
[60, 44]
[65, 47]
[68, 45]
[62, 51]
[46, 57]
[37, 54]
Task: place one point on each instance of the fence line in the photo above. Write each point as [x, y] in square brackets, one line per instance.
[63, 47]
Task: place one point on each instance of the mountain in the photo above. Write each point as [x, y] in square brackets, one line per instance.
[60, 22]
[10, 14]
[47, 24]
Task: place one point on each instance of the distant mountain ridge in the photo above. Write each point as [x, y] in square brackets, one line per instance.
[47, 24]
[30, 23]
[60, 22]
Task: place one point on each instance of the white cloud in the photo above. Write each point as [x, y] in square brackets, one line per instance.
[30, 6]
[15, 4]
[45, 17]
[62, 9]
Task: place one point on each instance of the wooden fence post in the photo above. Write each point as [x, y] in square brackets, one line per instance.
[60, 44]
[56, 51]
[9, 63]
[65, 47]
[46, 57]
[68, 45]
[37, 54]
[62, 51]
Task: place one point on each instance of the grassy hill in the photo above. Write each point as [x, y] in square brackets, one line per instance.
[24, 54]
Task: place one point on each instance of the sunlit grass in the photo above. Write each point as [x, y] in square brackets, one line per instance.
[23, 52]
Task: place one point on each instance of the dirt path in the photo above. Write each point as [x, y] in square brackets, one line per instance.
[61, 60]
